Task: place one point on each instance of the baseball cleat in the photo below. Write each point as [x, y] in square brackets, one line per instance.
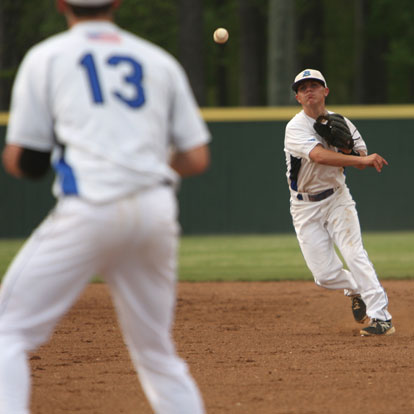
[359, 310]
[378, 327]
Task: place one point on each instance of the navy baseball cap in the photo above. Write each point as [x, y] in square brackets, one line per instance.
[308, 74]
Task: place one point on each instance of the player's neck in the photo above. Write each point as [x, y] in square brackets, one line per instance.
[314, 110]
[72, 20]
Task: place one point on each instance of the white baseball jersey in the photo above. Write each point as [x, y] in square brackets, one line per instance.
[305, 176]
[67, 86]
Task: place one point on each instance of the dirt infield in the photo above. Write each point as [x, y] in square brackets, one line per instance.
[254, 348]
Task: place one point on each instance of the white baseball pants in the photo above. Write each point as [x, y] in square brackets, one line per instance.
[334, 221]
[132, 244]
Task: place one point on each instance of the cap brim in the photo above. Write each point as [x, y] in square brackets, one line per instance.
[90, 3]
[295, 85]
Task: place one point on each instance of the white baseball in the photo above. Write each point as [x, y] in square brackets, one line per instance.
[221, 35]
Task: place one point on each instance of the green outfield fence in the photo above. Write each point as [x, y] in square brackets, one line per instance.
[245, 189]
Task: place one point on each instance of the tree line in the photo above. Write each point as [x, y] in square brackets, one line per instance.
[365, 48]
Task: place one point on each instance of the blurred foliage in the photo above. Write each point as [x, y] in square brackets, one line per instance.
[366, 57]
[156, 20]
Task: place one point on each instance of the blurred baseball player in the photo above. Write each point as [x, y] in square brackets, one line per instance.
[323, 211]
[105, 107]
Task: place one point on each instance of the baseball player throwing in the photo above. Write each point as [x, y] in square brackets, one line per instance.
[318, 145]
[105, 107]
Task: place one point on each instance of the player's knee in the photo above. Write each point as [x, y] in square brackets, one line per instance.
[24, 340]
[11, 344]
[325, 279]
[167, 363]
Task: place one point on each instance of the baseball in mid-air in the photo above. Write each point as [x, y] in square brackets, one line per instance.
[221, 35]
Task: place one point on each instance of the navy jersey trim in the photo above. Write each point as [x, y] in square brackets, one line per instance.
[295, 164]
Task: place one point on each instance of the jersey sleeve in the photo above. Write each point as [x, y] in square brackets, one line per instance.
[359, 143]
[300, 140]
[30, 124]
[188, 129]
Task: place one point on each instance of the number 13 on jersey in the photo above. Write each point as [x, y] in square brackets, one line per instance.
[133, 78]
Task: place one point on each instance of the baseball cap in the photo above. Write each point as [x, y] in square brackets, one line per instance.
[308, 74]
[89, 3]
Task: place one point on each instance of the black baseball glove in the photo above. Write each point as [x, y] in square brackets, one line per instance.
[334, 129]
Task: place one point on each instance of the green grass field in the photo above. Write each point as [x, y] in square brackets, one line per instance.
[266, 257]
[278, 257]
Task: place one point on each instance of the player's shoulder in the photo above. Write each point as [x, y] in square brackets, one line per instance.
[149, 49]
[40, 53]
[49, 46]
[298, 120]
[300, 131]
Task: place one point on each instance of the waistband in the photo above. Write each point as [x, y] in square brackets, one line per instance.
[316, 197]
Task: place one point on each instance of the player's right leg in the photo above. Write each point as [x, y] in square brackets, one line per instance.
[43, 281]
[143, 284]
[318, 249]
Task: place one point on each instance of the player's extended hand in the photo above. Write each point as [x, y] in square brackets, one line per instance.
[374, 160]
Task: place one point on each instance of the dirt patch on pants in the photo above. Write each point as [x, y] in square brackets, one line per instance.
[253, 348]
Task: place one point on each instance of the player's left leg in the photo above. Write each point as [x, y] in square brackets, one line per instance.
[143, 285]
[344, 227]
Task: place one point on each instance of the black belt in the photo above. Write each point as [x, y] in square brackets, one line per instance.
[316, 197]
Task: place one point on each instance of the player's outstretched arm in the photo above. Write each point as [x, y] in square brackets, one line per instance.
[192, 162]
[324, 156]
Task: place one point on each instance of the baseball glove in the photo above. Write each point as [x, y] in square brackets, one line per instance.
[334, 129]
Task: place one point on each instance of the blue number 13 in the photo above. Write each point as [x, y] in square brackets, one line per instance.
[134, 78]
